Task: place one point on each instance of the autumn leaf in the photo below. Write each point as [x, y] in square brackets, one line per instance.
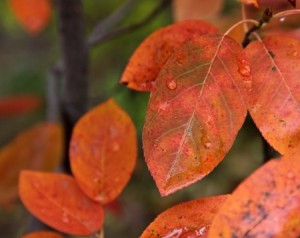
[57, 201]
[188, 219]
[16, 105]
[195, 111]
[147, 60]
[267, 204]
[32, 14]
[275, 95]
[38, 148]
[195, 9]
[43, 234]
[103, 151]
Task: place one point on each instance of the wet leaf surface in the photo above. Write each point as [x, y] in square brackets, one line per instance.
[43, 234]
[147, 60]
[103, 151]
[195, 111]
[57, 200]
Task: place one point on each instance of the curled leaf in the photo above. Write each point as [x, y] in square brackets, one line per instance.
[147, 60]
[267, 204]
[32, 14]
[195, 111]
[57, 200]
[103, 151]
[16, 105]
[275, 95]
[189, 219]
[37, 148]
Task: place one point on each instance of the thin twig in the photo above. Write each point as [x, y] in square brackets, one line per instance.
[267, 15]
[244, 17]
[122, 30]
[113, 19]
[286, 13]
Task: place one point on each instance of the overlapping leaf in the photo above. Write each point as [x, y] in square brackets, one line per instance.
[275, 95]
[147, 60]
[57, 200]
[195, 111]
[39, 148]
[43, 234]
[32, 14]
[16, 105]
[189, 219]
[103, 151]
[267, 204]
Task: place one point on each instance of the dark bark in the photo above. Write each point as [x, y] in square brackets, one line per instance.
[75, 63]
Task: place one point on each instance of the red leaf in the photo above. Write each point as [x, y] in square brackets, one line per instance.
[275, 95]
[32, 14]
[38, 148]
[195, 111]
[43, 234]
[103, 152]
[57, 200]
[267, 204]
[253, 2]
[16, 105]
[189, 219]
[147, 60]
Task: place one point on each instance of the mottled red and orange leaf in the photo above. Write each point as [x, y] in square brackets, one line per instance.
[195, 111]
[43, 234]
[275, 95]
[16, 105]
[267, 204]
[148, 59]
[37, 148]
[103, 151]
[57, 201]
[189, 219]
[32, 14]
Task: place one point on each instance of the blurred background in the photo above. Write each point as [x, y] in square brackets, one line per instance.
[26, 57]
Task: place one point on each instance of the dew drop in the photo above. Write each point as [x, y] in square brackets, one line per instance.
[282, 19]
[207, 145]
[171, 84]
[175, 233]
[245, 70]
[163, 106]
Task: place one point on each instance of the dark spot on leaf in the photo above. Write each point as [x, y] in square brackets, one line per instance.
[273, 68]
[271, 54]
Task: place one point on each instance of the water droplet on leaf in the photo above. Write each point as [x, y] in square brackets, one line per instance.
[171, 84]
[245, 70]
[282, 19]
[207, 145]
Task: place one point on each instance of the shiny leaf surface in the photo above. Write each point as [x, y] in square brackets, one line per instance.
[190, 219]
[32, 14]
[275, 95]
[147, 60]
[267, 204]
[195, 111]
[57, 200]
[37, 148]
[103, 151]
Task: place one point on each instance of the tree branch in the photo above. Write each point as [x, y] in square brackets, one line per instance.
[97, 39]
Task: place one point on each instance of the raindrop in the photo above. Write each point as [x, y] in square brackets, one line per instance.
[245, 70]
[174, 233]
[207, 145]
[163, 106]
[201, 231]
[171, 84]
[282, 19]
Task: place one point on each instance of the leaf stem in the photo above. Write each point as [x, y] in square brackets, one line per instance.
[286, 13]
[255, 22]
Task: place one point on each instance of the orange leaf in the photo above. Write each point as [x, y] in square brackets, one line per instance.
[57, 200]
[147, 60]
[43, 234]
[267, 204]
[103, 152]
[189, 219]
[195, 9]
[275, 95]
[195, 111]
[15, 105]
[39, 148]
[32, 14]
